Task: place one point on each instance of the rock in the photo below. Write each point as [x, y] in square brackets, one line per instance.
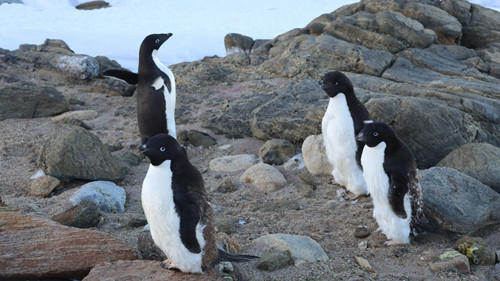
[294, 163]
[75, 153]
[362, 232]
[43, 186]
[453, 261]
[28, 253]
[92, 5]
[197, 138]
[265, 177]
[227, 271]
[315, 159]
[491, 55]
[147, 247]
[274, 260]
[29, 101]
[478, 160]
[232, 163]
[237, 43]
[128, 159]
[440, 129]
[460, 9]
[77, 114]
[302, 248]
[476, 250]
[276, 151]
[324, 52]
[483, 28]
[106, 195]
[224, 224]
[364, 264]
[457, 202]
[225, 186]
[84, 215]
[105, 63]
[11, 2]
[447, 28]
[112, 87]
[142, 270]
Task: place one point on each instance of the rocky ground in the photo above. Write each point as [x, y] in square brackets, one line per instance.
[240, 100]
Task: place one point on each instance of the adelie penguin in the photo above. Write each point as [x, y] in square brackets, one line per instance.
[177, 210]
[156, 94]
[343, 119]
[391, 176]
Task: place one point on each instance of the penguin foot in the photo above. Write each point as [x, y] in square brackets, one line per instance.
[351, 196]
[167, 264]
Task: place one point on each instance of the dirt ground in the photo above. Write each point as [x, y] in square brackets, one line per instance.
[321, 214]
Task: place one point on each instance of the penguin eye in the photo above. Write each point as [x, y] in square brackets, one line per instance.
[375, 134]
[336, 83]
[162, 149]
[157, 41]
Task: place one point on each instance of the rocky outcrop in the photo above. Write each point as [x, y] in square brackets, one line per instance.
[75, 153]
[35, 247]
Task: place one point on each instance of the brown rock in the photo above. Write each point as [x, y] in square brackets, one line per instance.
[84, 215]
[143, 270]
[43, 186]
[36, 247]
[362, 232]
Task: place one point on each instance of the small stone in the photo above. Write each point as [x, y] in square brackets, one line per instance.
[83, 215]
[363, 245]
[225, 186]
[448, 255]
[362, 232]
[458, 264]
[274, 260]
[232, 163]
[264, 177]
[197, 138]
[364, 264]
[105, 194]
[43, 186]
[226, 270]
[276, 151]
[476, 250]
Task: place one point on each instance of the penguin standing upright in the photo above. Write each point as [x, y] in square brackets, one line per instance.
[179, 215]
[391, 176]
[156, 94]
[343, 119]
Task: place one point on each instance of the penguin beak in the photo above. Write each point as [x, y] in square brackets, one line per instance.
[143, 148]
[359, 137]
[321, 83]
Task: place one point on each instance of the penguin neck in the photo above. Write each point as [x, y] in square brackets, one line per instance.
[158, 172]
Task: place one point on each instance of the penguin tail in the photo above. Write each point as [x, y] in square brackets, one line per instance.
[225, 256]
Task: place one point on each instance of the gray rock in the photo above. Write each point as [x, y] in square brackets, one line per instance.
[274, 260]
[491, 55]
[128, 159]
[198, 138]
[476, 249]
[43, 186]
[302, 248]
[264, 177]
[362, 232]
[84, 215]
[75, 153]
[315, 159]
[276, 151]
[478, 160]
[27, 101]
[409, 31]
[225, 186]
[375, 6]
[294, 57]
[92, 5]
[233, 163]
[483, 28]
[452, 261]
[147, 247]
[225, 224]
[460, 9]
[439, 130]
[237, 43]
[112, 86]
[11, 2]
[106, 195]
[447, 28]
[457, 202]
[105, 63]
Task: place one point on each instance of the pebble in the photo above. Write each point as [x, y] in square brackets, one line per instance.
[362, 232]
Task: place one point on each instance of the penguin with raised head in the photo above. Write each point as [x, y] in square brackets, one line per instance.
[156, 94]
[179, 215]
[390, 172]
[343, 119]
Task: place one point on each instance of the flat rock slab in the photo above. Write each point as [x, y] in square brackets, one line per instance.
[34, 247]
[143, 270]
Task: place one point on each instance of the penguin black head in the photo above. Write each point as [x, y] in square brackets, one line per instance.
[154, 41]
[374, 133]
[160, 148]
[335, 82]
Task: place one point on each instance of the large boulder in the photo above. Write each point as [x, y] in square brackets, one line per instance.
[315, 159]
[478, 160]
[75, 153]
[38, 248]
[30, 101]
[483, 28]
[457, 202]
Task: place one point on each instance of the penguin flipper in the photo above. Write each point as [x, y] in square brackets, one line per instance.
[130, 77]
[225, 256]
[398, 188]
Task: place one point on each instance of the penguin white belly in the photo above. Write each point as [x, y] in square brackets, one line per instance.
[170, 97]
[377, 181]
[164, 222]
[338, 135]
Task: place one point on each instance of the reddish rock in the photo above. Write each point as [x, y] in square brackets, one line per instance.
[143, 270]
[35, 247]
